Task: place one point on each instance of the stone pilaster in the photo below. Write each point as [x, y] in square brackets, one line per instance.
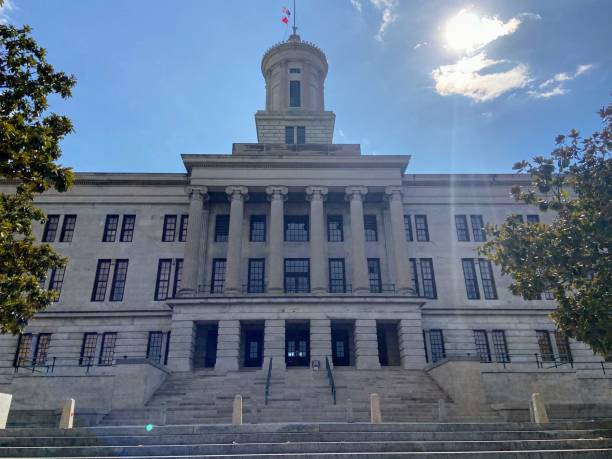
[182, 345]
[233, 280]
[196, 240]
[318, 270]
[355, 195]
[277, 196]
[366, 345]
[228, 345]
[412, 352]
[274, 345]
[400, 248]
[320, 341]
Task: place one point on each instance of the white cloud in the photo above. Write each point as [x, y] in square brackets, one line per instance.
[465, 78]
[357, 5]
[582, 69]
[557, 83]
[466, 31]
[420, 44]
[557, 91]
[387, 8]
[341, 132]
[4, 11]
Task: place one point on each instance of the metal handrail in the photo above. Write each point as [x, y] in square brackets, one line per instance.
[53, 363]
[268, 380]
[330, 377]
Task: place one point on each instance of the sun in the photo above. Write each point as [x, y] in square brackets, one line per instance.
[463, 31]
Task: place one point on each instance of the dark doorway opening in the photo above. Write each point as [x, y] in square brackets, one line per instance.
[205, 353]
[388, 343]
[252, 339]
[342, 343]
[297, 344]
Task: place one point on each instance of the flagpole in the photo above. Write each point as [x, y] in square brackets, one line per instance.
[294, 15]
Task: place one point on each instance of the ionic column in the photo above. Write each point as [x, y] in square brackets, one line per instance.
[355, 194]
[237, 196]
[277, 195]
[228, 345]
[196, 237]
[366, 345]
[318, 272]
[400, 248]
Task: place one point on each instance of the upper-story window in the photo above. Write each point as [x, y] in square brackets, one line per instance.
[408, 227]
[217, 283]
[68, 228]
[335, 230]
[127, 228]
[295, 70]
[119, 278]
[51, 228]
[463, 233]
[428, 277]
[531, 219]
[471, 281]
[478, 229]
[295, 99]
[337, 280]
[169, 232]
[162, 283]
[371, 230]
[257, 267]
[57, 280]
[183, 228]
[422, 230]
[110, 228]
[296, 228]
[257, 231]
[488, 281]
[500, 346]
[295, 135]
[545, 346]
[374, 275]
[482, 345]
[222, 228]
[101, 280]
[297, 275]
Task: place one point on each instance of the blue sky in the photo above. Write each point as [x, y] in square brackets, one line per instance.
[461, 86]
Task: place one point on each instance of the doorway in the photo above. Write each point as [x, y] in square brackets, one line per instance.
[388, 343]
[297, 344]
[205, 352]
[252, 338]
[342, 343]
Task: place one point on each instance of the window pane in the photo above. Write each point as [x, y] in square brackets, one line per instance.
[57, 280]
[414, 276]
[500, 347]
[296, 228]
[169, 233]
[42, 349]
[301, 135]
[335, 230]
[68, 228]
[471, 282]
[88, 349]
[24, 347]
[422, 231]
[221, 228]
[482, 345]
[162, 284]
[178, 276]
[183, 229]
[436, 342]
[289, 135]
[218, 276]
[369, 225]
[429, 279]
[533, 219]
[154, 346]
[107, 353]
[297, 275]
[256, 275]
[127, 228]
[110, 228]
[488, 281]
[462, 228]
[50, 228]
[101, 280]
[478, 228]
[563, 346]
[118, 287]
[545, 346]
[374, 275]
[257, 231]
[408, 227]
[337, 281]
[294, 94]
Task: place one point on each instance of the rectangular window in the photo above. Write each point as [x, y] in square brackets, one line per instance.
[374, 275]
[101, 280]
[335, 228]
[162, 283]
[169, 230]
[294, 94]
[545, 346]
[257, 232]
[471, 282]
[183, 228]
[548, 295]
[563, 347]
[68, 228]
[119, 278]
[297, 275]
[257, 267]
[178, 276]
[482, 345]
[110, 228]
[500, 346]
[531, 219]
[301, 135]
[337, 279]
[408, 227]
[296, 228]
[414, 276]
[88, 349]
[221, 228]
[57, 280]
[218, 276]
[478, 229]
[127, 228]
[463, 233]
[422, 231]
[24, 347]
[294, 70]
[42, 349]
[107, 352]
[488, 281]
[436, 344]
[429, 278]
[154, 346]
[289, 135]
[50, 228]
[371, 230]
[167, 351]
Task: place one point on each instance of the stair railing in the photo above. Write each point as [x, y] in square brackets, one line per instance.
[268, 380]
[330, 377]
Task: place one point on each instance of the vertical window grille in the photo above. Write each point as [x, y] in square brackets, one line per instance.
[296, 228]
[414, 276]
[462, 228]
[371, 230]
[110, 228]
[24, 347]
[167, 351]
[335, 230]
[119, 277]
[301, 135]
[532, 219]
[107, 352]
[101, 280]
[289, 135]
[154, 346]
[88, 349]
[500, 346]
[68, 228]
[488, 281]
[169, 231]
[256, 275]
[337, 279]
[294, 94]
[162, 283]
[429, 279]
[257, 231]
[127, 228]
[563, 347]
[42, 349]
[471, 282]
[297, 275]
[482, 345]
[436, 343]
[178, 276]
[50, 230]
[222, 228]
[408, 227]
[57, 280]
[218, 276]
[183, 228]
[374, 275]
[422, 230]
[478, 229]
[545, 346]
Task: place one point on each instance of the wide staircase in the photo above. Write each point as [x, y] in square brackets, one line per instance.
[584, 440]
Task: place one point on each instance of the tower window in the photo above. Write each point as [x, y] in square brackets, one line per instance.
[294, 94]
[295, 71]
[295, 135]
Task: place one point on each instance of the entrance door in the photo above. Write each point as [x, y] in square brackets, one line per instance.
[340, 348]
[297, 348]
[253, 348]
[383, 356]
[205, 354]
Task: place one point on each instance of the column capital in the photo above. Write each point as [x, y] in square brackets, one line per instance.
[237, 192]
[316, 193]
[275, 192]
[393, 193]
[198, 193]
[355, 192]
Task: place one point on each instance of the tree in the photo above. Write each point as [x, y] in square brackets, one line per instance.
[29, 149]
[570, 257]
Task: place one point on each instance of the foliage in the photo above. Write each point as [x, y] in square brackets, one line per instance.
[571, 256]
[29, 149]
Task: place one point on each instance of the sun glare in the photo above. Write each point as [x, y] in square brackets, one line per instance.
[462, 31]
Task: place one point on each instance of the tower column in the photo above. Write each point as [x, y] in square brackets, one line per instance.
[355, 194]
[318, 279]
[237, 196]
[277, 195]
[400, 248]
[196, 239]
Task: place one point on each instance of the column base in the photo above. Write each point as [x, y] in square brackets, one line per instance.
[186, 293]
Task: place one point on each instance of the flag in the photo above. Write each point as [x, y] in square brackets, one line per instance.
[286, 14]
[285, 19]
